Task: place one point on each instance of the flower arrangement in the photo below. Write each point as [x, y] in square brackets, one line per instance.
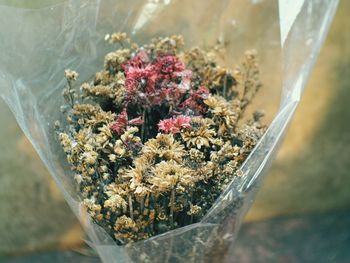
[158, 134]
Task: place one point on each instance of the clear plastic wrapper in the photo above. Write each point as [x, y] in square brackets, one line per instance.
[38, 43]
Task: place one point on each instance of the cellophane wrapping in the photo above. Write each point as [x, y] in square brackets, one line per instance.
[39, 41]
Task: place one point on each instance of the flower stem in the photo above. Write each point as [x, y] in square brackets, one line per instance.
[70, 93]
[143, 126]
[225, 87]
[172, 205]
[191, 197]
[142, 205]
[131, 210]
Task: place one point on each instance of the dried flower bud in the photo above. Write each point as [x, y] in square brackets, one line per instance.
[118, 37]
[195, 210]
[71, 74]
[112, 158]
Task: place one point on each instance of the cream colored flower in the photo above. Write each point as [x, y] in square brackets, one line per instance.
[71, 74]
[115, 202]
[224, 114]
[200, 135]
[124, 223]
[194, 210]
[164, 146]
[102, 138]
[167, 174]
[137, 177]
[117, 37]
[90, 157]
[112, 158]
[93, 208]
[117, 58]
[119, 148]
[65, 142]
[196, 155]
[95, 91]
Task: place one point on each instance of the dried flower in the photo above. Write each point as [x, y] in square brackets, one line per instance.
[119, 125]
[71, 74]
[117, 37]
[164, 146]
[167, 174]
[156, 137]
[175, 124]
[169, 65]
[194, 210]
[115, 199]
[201, 134]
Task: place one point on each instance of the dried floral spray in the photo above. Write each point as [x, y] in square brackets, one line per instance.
[158, 134]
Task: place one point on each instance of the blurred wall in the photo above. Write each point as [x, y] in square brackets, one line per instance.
[312, 170]
[33, 213]
[311, 173]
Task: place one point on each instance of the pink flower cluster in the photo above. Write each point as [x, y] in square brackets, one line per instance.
[158, 84]
[154, 82]
[175, 124]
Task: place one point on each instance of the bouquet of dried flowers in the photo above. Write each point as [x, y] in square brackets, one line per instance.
[158, 134]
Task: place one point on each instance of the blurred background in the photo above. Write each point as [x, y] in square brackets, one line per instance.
[301, 213]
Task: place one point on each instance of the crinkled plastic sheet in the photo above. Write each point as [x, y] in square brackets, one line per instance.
[37, 44]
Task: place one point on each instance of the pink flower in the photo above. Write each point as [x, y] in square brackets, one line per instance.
[138, 61]
[169, 64]
[136, 121]
[200, 94]
[195, 101]
[185, 84]
[167, 126]
[136, 78]
[191, 105]
[141, 77]
[182, 121]
[150, 83]
[121, 122]
[175, 124]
